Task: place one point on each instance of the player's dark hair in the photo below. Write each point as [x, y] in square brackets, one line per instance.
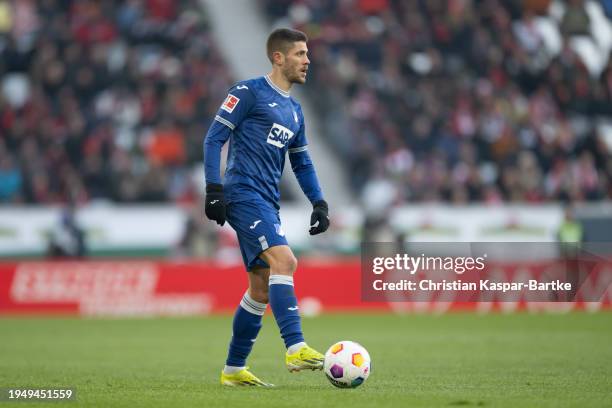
[282, 40]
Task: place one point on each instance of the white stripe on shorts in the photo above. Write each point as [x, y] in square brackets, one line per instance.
[263, 242]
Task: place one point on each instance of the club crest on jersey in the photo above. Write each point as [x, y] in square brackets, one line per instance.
[230, 103]
[279, 135]
[279, 230]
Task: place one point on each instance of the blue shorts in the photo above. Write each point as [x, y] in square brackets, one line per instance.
[258, 227]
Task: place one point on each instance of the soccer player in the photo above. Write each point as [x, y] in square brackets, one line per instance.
[263, 122]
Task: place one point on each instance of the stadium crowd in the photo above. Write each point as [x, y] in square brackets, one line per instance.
[435, 100]
[459, 100]
[105, 99]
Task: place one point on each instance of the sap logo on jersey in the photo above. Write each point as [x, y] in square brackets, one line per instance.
[279, 135]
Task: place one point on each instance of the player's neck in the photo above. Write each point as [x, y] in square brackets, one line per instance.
[280, 81]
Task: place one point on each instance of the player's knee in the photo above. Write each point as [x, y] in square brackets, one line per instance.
[288, 264]
[281, 261]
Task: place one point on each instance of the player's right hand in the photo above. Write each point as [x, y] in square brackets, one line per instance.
[215, 203]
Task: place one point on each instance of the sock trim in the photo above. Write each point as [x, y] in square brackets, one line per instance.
[280, 280]
[252, 306]
[256, 304]
[232, 369]
[294, 348]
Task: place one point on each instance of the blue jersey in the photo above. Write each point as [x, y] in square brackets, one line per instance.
[265, 123]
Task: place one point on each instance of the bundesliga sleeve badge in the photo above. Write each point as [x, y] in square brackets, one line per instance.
[230, 103]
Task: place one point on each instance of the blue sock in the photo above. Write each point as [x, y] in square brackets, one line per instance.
[285, 309]
[246, 326]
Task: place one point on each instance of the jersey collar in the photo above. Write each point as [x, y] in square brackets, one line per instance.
[276, 88]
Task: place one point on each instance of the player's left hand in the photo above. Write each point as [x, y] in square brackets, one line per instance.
[319, 220]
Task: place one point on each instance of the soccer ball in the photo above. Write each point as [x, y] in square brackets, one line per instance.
[347, 364]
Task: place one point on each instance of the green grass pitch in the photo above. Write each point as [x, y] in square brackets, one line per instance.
[454, 360]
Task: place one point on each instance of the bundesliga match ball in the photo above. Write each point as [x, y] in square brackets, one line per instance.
[347, 364]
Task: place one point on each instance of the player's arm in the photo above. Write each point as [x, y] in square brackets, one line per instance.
[305, 173]
[307, 178]
[234, 109]
[214, 206]
[217, 136]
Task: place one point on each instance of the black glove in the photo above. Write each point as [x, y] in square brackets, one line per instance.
[319, 220]
[215, 203]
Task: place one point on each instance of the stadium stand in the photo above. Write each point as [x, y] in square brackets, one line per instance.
[454, 101]
[463, 101]
[105, 100]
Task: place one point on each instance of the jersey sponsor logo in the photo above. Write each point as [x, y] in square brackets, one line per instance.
[273, 104]
[294, 308]
[279, 135]
[242, 87]
[230, 103]
[254, 224]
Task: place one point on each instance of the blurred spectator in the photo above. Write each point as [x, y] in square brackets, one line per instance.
[575, 19]
[570, 232]
[200, 239]
[537, 6]
[10, 179]
[67, 239]
[607, 6]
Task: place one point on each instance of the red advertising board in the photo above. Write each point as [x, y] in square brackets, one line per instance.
[162, 288]
[150, 288]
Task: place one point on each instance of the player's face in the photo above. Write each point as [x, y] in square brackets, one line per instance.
[296, 63]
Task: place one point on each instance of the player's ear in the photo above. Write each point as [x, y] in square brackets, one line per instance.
[278, 58]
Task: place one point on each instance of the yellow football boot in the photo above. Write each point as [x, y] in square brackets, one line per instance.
[242, 378]
[305, 358]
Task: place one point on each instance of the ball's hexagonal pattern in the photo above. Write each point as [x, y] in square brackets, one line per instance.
[336, 371]
[357, 381]
[357, 359]
[336, 348]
